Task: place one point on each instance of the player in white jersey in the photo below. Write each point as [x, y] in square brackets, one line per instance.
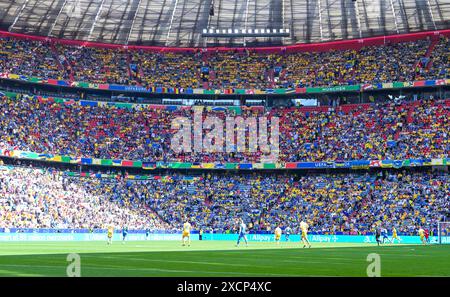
[287, 233]
[242, 231]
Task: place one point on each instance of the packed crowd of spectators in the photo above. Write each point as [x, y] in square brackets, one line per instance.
[415, 129]
[222, 70]
[30, 58]
[347, 203]
[42, 198]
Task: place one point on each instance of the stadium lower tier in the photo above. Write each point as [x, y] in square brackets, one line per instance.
[417, 130]
[348, 203]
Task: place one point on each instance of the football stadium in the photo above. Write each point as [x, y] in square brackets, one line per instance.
[212, 138]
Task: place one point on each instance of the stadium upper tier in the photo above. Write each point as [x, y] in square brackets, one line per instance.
[349, 203]
[405, 61]
[394, 131]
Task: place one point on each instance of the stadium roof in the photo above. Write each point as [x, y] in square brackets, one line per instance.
[181, 22]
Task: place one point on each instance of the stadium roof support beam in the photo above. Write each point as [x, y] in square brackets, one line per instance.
[432, 15]
[358, 19]
[18, 15]
[246, 20]
[320, 21]
[171, 21]
[56, 19]
[95, 20]
[395, 16]
[132, 23]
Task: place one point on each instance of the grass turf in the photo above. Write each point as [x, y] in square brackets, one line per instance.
[220, 258]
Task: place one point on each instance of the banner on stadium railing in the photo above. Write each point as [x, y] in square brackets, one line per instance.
[228, 91]
[354, 164]
[368, 239]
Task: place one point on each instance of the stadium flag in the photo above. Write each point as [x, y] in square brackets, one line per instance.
[366, 87]
[291, 165]
[86, 161]
[398, 84]
[245, 166]
[106, 162]
[440, 82]
[56, 159]
[34, 79]
[269, 166]
[219, 166]
[126, 163]
[427, 162]
[419, 83]
[300, 90]
[75, 161]
[137, 164]
[437, 162]
[231, 165]
[65, 159]
[415, 162]
[96, 161]
[397, 163]
[375, 163]
[43, 156]
[258, 165]
[208, 165]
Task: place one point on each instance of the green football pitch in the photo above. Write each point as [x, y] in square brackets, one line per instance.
[220, 259]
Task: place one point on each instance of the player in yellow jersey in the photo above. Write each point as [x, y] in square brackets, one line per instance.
[277, 234]
[186, 234]
[110, 234]
[395, 236]
[304, 228]
[422, 235]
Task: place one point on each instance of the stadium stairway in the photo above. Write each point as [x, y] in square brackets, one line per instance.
[430, 51]
[61, 67]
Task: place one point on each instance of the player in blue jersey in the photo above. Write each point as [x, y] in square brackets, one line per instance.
[242, 231]
[384, 234]
[287, 233]
[147, 233]
[124, 233]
